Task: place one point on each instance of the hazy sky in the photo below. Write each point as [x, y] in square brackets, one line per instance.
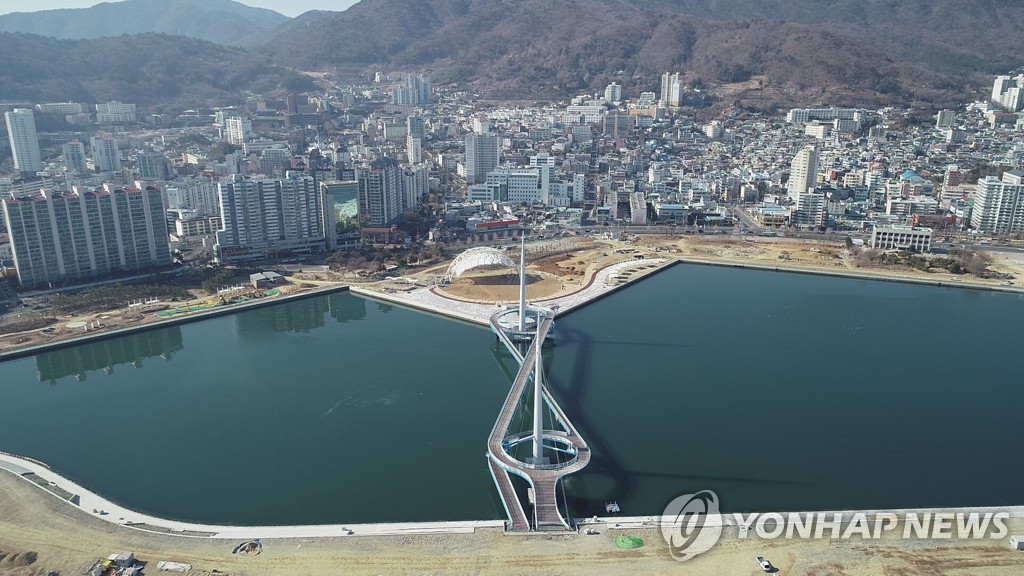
[286, 7]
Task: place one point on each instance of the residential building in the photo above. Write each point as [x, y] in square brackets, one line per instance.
[21, 132]
[482, 156]
[999, 204]
[671, 89]
[613, 92]
[414, 149]
[154, 167]
[74, 157]
[381, 201]
[237, 130]
[72, 236]
[803, 172]
[414, 91]
[267, 216]
[105, 154]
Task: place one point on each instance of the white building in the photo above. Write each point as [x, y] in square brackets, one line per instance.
[262, 217]
[115, 112]
[482, 156]
[671, 89]
[809, 210]
[21, 132]
[803, 172]
[381, 198]
[74, 157]
[901, 238]
[1007, 92]
[999, 204]
[71, 236]
[613, 93]
[105, 154]
[237, 130]
[200, 195]
[414, 149]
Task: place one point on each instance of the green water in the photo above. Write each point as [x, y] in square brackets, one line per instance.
[778, 391]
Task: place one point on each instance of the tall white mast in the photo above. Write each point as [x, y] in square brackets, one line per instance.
[522, 285]
[538, 403]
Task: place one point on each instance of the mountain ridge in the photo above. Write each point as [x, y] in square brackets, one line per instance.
[219, 21]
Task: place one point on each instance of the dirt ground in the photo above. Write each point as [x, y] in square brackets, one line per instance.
[38, 534]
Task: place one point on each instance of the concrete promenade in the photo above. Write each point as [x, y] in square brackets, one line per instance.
[427, 300]
[115, 514]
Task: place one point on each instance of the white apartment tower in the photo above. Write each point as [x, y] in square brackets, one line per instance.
[381, 198]
[262, 217]
[482, 156]
[74, 157]
[671, 89]
[613, 92]
[999, 204]
[105, 154]
[803, 172]
[237, 130]
[21, 130]
[71, 236]
[414, 149]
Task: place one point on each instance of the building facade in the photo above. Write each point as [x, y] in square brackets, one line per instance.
[999, 204]
[803, 172]
[72, 236]
[268, 216]
[21, 131]
[902, 238]
[381, 199]
[482, 156]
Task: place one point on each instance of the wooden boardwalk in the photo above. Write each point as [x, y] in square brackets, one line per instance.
[543, 478]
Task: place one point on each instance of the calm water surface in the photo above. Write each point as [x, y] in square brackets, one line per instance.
[778, 391]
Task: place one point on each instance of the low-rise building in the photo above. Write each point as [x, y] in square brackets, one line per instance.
[902, 238]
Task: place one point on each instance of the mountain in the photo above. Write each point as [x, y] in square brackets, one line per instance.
[844, 51]
[947, 34]
[145, 69]
[220, 21]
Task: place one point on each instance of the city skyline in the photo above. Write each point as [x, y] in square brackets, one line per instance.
[290, 9]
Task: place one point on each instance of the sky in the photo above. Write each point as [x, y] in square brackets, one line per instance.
[290, 8]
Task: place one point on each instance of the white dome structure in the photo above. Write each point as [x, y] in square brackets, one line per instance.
[476, 258]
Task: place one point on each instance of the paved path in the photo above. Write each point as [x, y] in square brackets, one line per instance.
[428, 300]
[89, 501]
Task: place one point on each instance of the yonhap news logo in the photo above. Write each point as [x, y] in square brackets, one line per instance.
[692, 524]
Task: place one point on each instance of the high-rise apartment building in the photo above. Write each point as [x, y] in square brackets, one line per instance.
[613, 92]
[1008, 92]
[74, 157]
[105, 154]
[267, 216]
[414, 91]
[154, 167]
[414, 149]
[482, 156]
[671, 89]
[21, 131]
[803, 172]
[381, 198]
[71, 236]
[237, 130]
[416, 126]
[999, 204]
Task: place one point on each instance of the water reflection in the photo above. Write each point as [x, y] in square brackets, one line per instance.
[304, 315]
[104, 355]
